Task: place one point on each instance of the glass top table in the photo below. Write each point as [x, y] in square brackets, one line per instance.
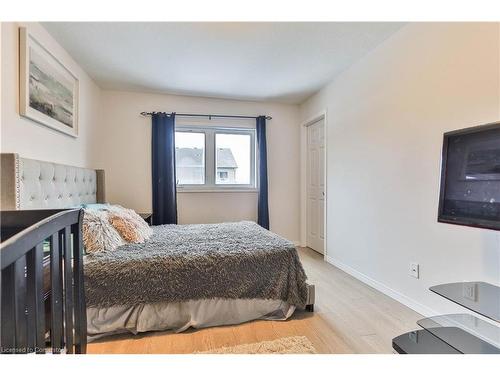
[464, 332]
[458, 333]
[480, 297]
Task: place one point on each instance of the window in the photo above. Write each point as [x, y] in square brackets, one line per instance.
[233, 158]
[215, 158]
[190, 158]
[222, 175]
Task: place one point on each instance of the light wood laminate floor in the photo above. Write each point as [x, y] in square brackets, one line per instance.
[349, 317]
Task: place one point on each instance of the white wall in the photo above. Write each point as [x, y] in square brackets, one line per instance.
[29, 138]
[123, 150]
[385, 122]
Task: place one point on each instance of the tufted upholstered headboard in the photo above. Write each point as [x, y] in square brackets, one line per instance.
[29, 184]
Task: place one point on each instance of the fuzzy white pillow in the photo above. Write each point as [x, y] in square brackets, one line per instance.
[98, 233]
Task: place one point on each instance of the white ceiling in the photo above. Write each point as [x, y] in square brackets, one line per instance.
[285, 62]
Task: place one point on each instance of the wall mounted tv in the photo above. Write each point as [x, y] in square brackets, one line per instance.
[470, 177]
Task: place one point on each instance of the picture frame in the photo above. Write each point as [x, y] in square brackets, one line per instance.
[48, 90]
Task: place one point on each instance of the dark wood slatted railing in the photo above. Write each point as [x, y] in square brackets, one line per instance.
[23, 321]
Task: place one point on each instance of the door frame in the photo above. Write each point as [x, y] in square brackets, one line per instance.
[322, 115]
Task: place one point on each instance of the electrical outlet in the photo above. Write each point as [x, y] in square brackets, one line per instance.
[413, 336]
[469, 291]
[415, 270]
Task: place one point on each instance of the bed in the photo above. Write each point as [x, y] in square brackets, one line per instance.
[183, 276]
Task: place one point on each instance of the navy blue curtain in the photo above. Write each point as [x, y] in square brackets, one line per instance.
[163, 168]
[263, 208]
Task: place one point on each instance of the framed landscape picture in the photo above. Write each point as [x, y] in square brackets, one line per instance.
[48, 90]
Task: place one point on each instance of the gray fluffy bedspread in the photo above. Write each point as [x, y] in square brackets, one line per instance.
[188, 262]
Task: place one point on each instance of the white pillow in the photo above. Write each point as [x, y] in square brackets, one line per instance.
[98, 234]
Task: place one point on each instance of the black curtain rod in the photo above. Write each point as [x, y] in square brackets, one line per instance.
[209, 116]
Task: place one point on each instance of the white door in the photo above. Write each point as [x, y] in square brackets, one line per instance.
[315, 223]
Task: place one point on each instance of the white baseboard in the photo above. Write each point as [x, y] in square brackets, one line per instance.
[405, 300]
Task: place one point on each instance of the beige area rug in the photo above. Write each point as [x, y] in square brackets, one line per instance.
[284, 345]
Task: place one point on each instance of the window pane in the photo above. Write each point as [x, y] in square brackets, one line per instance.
[233, 159]
[190, 158]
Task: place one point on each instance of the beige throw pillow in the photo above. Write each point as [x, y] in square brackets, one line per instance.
[129, 224]
[125, 227]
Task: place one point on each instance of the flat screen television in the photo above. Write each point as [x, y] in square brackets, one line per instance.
[470, 177]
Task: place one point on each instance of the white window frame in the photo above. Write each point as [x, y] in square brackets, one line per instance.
[210, 160]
